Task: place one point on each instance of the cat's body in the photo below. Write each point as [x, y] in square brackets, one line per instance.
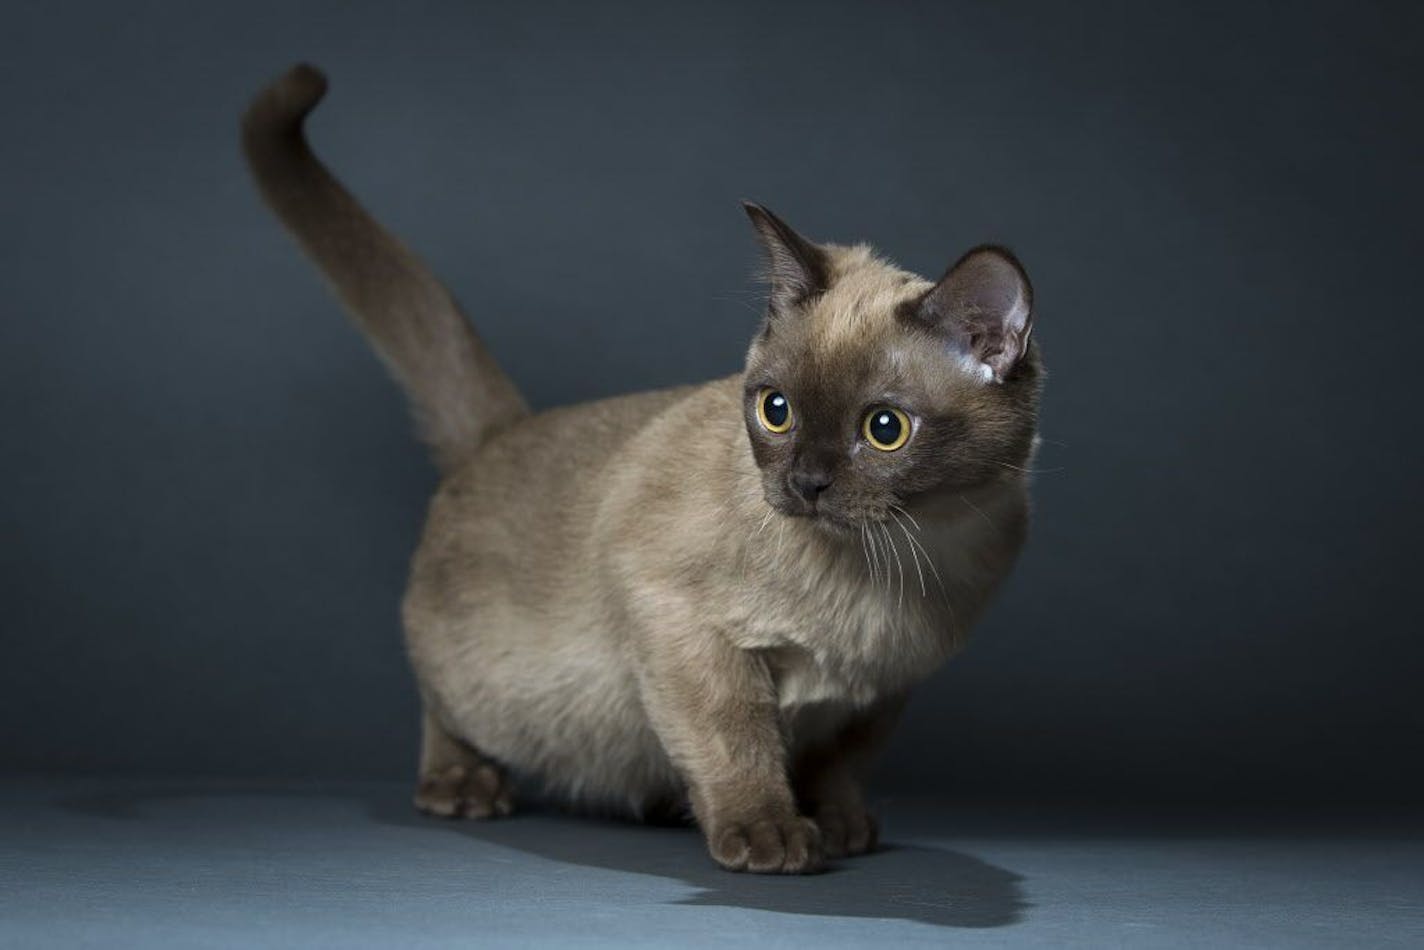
[637, 604]
[526, 610]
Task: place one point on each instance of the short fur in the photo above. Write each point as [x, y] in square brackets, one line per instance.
[652, 601]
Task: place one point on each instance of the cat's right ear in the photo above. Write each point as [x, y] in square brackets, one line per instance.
[797, 269]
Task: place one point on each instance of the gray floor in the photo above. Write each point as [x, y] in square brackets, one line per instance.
[184, 864]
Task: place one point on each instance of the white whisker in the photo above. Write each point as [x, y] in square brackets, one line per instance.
[929, 559]
[907, 515]
[899, 563]
[979, 512]
[1026, 471]
[875, 553]
[865, 553]
[914, 555]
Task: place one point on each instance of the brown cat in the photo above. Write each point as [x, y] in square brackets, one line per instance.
[716, 595]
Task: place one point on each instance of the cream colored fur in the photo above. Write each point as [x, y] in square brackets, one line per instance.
[604, 601]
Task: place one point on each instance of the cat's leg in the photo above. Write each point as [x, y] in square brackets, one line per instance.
[714, 708]
[829, 777]
[456, 781]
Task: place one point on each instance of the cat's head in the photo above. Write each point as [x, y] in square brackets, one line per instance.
[868, 387]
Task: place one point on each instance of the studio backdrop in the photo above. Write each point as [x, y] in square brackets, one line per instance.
[209, 492]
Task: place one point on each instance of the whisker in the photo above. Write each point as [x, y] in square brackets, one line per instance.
[865, 552]
[1026, 471]
[929, 560]
[899, 563]
[907, 515]
[914, 555]
[875, 553]
[979, 512]
[749, 549]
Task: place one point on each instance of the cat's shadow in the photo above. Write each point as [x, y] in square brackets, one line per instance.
[929, 885]
[899, 881]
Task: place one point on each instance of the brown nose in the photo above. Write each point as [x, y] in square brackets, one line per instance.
[809, 483]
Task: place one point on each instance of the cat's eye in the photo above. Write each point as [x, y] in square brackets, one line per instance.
[886, 428]
[773, 411]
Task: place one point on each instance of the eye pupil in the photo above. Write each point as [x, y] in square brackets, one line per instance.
[885, 428]
[775, 409]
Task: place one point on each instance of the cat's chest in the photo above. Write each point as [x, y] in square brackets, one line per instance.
[857, 650]
[852, 628]
[856, 632]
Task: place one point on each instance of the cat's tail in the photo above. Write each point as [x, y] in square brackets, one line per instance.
[458, 393]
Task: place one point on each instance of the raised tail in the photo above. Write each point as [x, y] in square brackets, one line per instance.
[458, 393]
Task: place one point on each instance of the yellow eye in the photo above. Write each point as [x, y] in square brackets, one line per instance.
[773, 411]
[886, 428]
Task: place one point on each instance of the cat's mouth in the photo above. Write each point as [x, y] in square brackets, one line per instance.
[822, 516]
[838, 525]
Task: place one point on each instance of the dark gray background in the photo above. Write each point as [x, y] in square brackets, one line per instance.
[209, 493]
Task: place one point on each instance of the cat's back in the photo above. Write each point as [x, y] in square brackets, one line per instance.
[565, 452]
[527, 499]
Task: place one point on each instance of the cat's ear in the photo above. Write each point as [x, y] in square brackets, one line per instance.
[984, 305]
[797, 269]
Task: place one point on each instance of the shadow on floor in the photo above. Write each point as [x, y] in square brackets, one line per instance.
[901, 881]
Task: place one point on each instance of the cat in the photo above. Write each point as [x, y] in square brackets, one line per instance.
[712, 597]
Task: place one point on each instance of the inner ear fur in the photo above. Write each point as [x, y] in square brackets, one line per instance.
[983, 305]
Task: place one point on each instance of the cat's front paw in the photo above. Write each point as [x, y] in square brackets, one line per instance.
[460, 791]
[847, 829]
[769, 844]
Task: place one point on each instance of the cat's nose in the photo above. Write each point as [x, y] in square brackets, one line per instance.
[809, 483]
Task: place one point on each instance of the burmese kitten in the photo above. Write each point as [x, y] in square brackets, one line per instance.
[715, 595]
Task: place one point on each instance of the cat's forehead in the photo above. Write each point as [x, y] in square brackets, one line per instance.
[850, 336]
[858, 308]
[851, 339]
[850, 329]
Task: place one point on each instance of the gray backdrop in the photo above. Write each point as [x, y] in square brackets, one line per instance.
[209, 493]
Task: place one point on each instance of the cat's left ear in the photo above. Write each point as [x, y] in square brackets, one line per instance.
[797, 268]
[984, 305]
